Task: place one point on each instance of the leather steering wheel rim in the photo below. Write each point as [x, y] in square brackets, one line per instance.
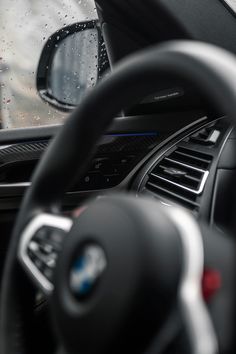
[210, 69]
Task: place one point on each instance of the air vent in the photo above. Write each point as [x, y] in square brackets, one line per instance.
[180, 176]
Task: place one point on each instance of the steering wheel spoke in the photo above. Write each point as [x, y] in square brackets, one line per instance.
[40, 243]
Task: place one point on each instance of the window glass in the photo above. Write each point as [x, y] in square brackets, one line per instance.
[25, 26]
[74, 67]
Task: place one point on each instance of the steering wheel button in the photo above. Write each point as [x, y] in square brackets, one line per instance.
[47, 248]
[211, 283]
[51, 263]
[33, 246]
[54, 255]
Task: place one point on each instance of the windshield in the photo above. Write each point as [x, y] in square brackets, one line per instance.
[25, 26]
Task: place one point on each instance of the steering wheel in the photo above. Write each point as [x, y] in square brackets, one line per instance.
[117, 273]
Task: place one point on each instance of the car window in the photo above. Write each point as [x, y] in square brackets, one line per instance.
[25, 26]
[69, 78]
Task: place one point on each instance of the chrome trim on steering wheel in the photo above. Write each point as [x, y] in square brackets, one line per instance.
[198, 322]
[42, 220]
[231, 4]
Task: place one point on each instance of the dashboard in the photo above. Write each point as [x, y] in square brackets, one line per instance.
[186, 158]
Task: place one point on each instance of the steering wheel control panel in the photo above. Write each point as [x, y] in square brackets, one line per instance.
[40, 244]
[43, 249]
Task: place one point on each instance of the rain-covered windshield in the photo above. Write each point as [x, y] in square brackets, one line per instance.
[25, 26]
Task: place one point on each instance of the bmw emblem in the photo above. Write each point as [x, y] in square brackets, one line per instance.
[87, 268]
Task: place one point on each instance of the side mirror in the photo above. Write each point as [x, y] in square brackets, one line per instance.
[72, 61]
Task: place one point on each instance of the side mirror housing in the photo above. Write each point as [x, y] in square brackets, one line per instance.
[72, 61]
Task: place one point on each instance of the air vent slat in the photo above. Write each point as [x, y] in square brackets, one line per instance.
[191, 157]
[166, 194]
[183, 185]
[192, 178]
[183, 181]
[187, 166]
[194, 161]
